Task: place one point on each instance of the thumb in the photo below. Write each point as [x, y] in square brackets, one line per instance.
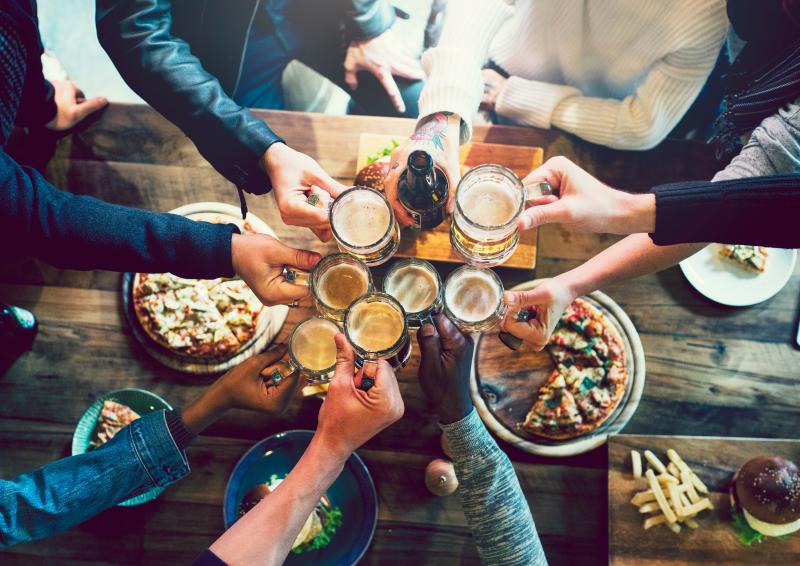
[328, 183]
[287, 255]
[521, 299]
[430, 344]
[90, 106]
[554, 212]
[345, 359]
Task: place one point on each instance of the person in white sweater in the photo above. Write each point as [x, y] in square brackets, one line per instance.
[620, 73]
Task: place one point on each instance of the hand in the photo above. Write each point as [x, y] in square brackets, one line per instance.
[384, 57]
[544, 304]
[586, 203]
[350, 416]
[295, 176]
[72, 106]
[444, 371]
[439, 135]
[259, 260]
[243, 387]
[493, 84]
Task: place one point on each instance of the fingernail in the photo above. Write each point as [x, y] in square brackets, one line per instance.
[428, 330]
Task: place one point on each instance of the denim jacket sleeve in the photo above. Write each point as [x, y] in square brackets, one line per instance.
[368, 18]
[494, 504]
[69, 491]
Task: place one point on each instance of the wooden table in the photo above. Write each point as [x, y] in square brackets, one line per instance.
[711, 370]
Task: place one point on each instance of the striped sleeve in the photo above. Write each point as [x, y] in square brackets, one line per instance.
[493, 501]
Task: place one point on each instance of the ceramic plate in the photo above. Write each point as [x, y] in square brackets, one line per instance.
[728, 283]
[353, 492]
[141, 401]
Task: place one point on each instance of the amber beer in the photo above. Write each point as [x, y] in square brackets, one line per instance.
[473, 299]
[311, 351]
[489, 200]
[376, 327]
[335, 282]
[416, 284]
[364, 225]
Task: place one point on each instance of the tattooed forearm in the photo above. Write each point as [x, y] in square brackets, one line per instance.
[433, 128]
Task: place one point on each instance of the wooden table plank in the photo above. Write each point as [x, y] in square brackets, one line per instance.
[711, 370]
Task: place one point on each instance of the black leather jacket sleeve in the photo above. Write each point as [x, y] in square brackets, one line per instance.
[368, 18]
[161, 68]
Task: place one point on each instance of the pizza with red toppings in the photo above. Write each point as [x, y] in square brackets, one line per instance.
[589, 378]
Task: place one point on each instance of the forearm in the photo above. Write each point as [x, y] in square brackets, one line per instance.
[629, 258]
[162, 69]
[206, 409]
[81, 232]
[283, 512]
[69, 491]
[493, 501]
[453, 67]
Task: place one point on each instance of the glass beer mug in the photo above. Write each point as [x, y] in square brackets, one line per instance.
[363, 224]
[376, 327]
[473, 299]
[311, 351]
[489, 200]
[416, 284]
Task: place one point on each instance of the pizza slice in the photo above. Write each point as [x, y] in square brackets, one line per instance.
[113, 418]
[555, 413]
[753, 258]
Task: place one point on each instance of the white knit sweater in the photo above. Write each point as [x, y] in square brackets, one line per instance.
[621, 73]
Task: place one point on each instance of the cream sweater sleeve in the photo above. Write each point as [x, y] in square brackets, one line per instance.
[640, 121]
[453, 68]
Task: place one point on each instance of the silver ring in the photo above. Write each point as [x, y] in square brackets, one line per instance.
[293, 304]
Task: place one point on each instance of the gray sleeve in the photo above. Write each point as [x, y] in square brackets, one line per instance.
[773, 149]
[492, 498]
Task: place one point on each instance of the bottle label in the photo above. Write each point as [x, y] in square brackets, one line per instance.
[427, 220]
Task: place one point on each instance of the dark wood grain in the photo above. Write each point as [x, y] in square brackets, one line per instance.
[715, 542]
[712, 370]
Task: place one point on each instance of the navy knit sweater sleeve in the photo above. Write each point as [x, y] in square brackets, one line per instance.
[81, 232]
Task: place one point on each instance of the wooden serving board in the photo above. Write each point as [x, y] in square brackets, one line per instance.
[435, 244]
[716, 541]
[505, 384]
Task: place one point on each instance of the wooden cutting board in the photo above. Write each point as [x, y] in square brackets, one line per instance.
[435, 244]
[716, 541]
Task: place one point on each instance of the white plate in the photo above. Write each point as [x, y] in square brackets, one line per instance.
[726, 282]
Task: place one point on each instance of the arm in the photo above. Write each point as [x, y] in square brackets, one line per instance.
[69, 491]
[162, 69]
[348, 418]
[639, 121]
[147, 453]
[494, 504]
[492, 499]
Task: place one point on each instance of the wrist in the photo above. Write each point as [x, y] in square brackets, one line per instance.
[206, 409]
[636, 213]
[454, 413]
[272, 158]
[330, 447]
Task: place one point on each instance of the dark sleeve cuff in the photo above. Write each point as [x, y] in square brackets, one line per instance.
[214, 260]
[208, 558]
[369, 18]
[252, 178]
[182, 436]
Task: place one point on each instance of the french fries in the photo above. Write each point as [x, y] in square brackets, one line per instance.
[673, 497]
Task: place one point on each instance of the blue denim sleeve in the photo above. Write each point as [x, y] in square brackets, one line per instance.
[69, 491]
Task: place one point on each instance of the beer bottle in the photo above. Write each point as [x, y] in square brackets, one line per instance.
[17, 330]
[422, 190]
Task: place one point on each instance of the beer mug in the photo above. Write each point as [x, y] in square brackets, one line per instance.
[376, 327]
[364, 225]
[473, 299]
[416, 285]
[335, 282]
[489, 200]
[311, 351]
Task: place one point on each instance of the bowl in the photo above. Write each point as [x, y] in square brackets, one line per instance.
[141, 401]
[353, 491]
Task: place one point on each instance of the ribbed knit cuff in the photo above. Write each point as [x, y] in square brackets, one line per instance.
[531, 102]
[182, 436]
[466, 436]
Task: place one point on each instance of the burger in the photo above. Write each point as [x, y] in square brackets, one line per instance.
[374, 172]
[765, 498]
[319, 528]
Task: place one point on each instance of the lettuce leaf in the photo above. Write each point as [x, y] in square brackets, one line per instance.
[331, 521]
[747, 534]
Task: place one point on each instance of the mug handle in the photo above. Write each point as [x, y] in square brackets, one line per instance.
[537, 190]
[297, 276]
[365, 376]
[281, 373]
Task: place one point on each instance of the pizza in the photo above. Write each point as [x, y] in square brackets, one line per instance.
[199, 319]
[113, 418]
[752, 258]
[588, 380]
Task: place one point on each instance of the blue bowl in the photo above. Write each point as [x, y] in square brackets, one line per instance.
[353, 492]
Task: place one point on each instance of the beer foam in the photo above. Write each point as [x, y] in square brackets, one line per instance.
[414, 287]
[313, 345]
[340, 285]
[374, 326]
[362, 218]
[472, 297]
[489, 203]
